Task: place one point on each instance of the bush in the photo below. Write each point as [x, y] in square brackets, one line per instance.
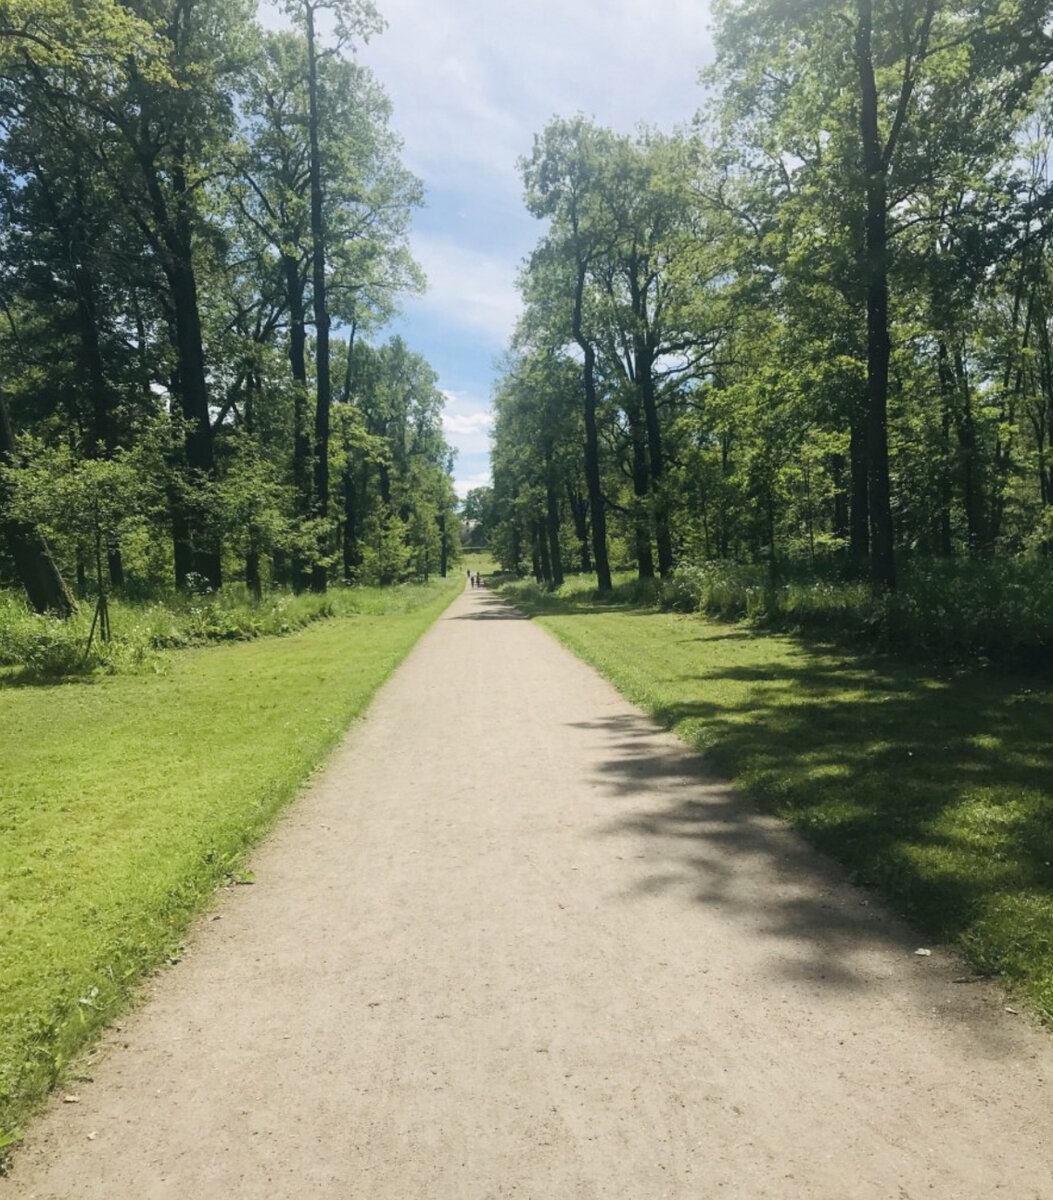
[44, 646]
[1002, 610]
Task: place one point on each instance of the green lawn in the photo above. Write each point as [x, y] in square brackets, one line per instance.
[933, 785]
[126, 798]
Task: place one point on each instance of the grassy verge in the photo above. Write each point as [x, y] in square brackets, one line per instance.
[127, 799]
[35, 647]
[934, 786]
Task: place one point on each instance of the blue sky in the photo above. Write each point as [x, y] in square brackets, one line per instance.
[471, 82]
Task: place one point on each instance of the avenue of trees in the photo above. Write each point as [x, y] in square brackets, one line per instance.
[202, 223]
[816, 326]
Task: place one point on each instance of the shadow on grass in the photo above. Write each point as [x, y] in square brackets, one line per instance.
[935, 787]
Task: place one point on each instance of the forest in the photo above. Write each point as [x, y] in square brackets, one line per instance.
[203, 230]
[796, 357]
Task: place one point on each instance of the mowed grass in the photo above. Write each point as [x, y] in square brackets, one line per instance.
[124, 800]
[935, 786]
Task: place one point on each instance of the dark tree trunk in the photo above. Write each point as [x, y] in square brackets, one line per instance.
[882, 556]
[350, 533]
[321, 308]
[294, 291]
[597, 505]
[656, 461]
[555, 555]
[945, 480]
[641, 491]
[253, 580]
[103, 439]
[542, 551]
[723, 532]
[45, 587]
[859, 506]
[193, 396]
[972, 495]
[444, 547]
[839, 521]
[579, 512]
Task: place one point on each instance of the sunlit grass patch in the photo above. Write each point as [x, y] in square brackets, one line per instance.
[126, 801]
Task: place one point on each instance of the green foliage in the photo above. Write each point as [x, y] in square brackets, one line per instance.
[159, 247]
[999, 610]
[814, 333]
[42, 647]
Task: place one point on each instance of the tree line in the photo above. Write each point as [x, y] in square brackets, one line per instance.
[202, 223]
[814, 324]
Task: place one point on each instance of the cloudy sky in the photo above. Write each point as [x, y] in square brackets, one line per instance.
[471, 82]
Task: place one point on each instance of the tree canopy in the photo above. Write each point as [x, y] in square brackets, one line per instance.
[813, 323]
[202, 221]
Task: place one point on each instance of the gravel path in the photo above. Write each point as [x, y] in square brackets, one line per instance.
[515, 942]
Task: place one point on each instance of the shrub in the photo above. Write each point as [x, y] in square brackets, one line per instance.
[1000, 609]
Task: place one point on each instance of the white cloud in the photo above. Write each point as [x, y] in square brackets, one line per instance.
[463, 486]
[473, 80]
[467, 423]
[467, 288]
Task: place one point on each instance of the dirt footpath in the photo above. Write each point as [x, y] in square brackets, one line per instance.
[515, 942]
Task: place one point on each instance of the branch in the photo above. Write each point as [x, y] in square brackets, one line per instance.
[907, 88]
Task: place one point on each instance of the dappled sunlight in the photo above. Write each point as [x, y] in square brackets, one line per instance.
[931, 785]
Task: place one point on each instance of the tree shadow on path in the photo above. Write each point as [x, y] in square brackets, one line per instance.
[936, 789]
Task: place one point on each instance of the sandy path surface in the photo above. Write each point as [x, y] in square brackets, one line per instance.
[514, 942]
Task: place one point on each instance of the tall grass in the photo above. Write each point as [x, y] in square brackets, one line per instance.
[46, 647]
[1001, 610]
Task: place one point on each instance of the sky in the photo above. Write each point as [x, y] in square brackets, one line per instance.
[471, 82]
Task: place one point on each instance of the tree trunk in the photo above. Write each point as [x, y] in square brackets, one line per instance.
[859, 507]
[656, 462]
[45, 587]
[294, 290]
[103, 439]
[579, 511]
[641, 491]
[972, 495]
[945, 546]
[882, 556]
[597, 506]
[321, 309]
[253, 579]
[839, 521]
[193, 396]
[555, 555]
[350, 538]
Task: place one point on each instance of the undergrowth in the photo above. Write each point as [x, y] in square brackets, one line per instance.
[1000, 611]
[45, 647]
